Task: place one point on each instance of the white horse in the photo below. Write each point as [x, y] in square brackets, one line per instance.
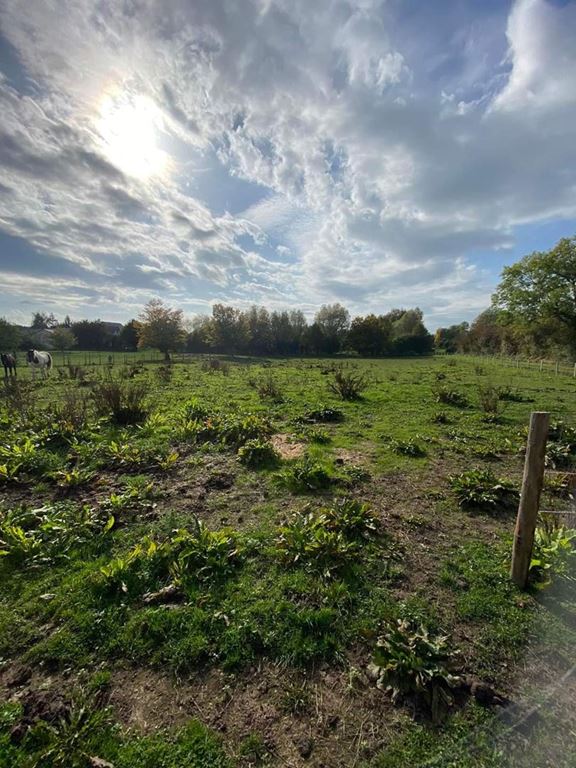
[39, 360]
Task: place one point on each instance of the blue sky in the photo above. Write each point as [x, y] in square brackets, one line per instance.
[379, 153]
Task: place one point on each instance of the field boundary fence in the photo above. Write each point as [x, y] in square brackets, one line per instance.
[554, 367]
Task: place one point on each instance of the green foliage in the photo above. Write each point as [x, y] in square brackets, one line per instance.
[305, 475]
[348, 385]
[326, 540]
[269, 389]
[121, 401]
[34, 537]
[451, 397]
[412, 661]
[257, 454]
[202, 554]
[408, 447]
[480, 489]
[489, 396]
[232, 429]
[553, 552]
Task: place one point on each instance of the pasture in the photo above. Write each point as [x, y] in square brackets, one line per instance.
[223, 563]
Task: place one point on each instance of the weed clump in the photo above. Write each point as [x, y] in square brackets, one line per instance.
[411, 661]
[305, 475]
[348, 385]
[408, 447]
[122, 402]
[480, 489]
[451, 397]
[323, 414]
[257, 454]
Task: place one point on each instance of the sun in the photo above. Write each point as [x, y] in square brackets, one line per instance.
[129, 127]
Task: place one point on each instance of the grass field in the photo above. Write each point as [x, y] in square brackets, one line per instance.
[206, 578]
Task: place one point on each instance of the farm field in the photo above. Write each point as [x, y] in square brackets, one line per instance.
[233, 568]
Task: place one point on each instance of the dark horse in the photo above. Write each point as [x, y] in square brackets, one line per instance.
[9, 363]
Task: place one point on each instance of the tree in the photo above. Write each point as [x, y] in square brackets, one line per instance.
[91, 334]
[538, 294]
[370, 335]
[128, 336]
[161, 328]
[452, 339]
[9, 336]
[41, 321]
[333, 320]
[63, 338]
[229, 329]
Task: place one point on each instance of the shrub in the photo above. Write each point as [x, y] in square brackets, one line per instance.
[21, 397]
[411, 661]
[121, 402]
[510, 395]
[489, 399]
[268, 389]
[350, 517]
[304, 476]
[451, 397]
[258, 453]
[215, 365]
[318, 435]
[348, 385]
[481, 489]
[195, 410]
[440, 418]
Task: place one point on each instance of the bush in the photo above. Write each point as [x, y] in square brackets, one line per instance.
[215, 365]
[203, 554]
[451, 397]
[122, 402]
[489, 399]
[481, 489]
[268, 389]
[348, 385]
[258, 453]
[410, 661]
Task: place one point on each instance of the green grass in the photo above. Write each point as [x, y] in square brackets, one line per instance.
[255, 584]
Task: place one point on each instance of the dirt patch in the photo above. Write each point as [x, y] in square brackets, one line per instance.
[346, 456]
[340, 724]
[287, 446]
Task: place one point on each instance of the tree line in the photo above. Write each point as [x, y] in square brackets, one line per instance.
[228, 330]
[533, 313]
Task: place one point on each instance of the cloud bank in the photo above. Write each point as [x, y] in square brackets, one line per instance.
[277, 151]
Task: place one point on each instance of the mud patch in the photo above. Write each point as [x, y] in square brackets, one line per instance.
[287, 446]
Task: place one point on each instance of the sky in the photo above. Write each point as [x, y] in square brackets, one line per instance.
[376, 153]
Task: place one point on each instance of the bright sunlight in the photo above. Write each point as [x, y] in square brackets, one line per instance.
[129, 127]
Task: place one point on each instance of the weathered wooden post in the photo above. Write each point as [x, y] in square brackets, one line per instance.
[529, 497]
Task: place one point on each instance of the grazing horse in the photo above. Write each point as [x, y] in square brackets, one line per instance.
[9, 363]
[41, 360]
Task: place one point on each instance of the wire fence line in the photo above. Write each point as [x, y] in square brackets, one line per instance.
[554, 367]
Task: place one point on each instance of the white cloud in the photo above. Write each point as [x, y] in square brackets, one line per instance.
[382, 176]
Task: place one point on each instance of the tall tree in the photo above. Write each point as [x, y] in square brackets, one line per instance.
[161, 328]
[370, 335]
[334, 321]
[128, 336]
[9, 336]
[41, 321]
[538, 293]
[91, 334]
[229, 329]
[63, 338]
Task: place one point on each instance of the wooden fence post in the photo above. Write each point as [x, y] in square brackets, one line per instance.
[529, 498]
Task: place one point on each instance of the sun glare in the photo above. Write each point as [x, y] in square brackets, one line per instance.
[129, 127]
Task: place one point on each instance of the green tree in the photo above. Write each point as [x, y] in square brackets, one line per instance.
[538, 294]
[9, 336]
[161, 327]
[452, 339]
[128, 336]
[63, 338]
[229, 329]
[41, 321]
[91, 334]
[334, 321]
[370, 335]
